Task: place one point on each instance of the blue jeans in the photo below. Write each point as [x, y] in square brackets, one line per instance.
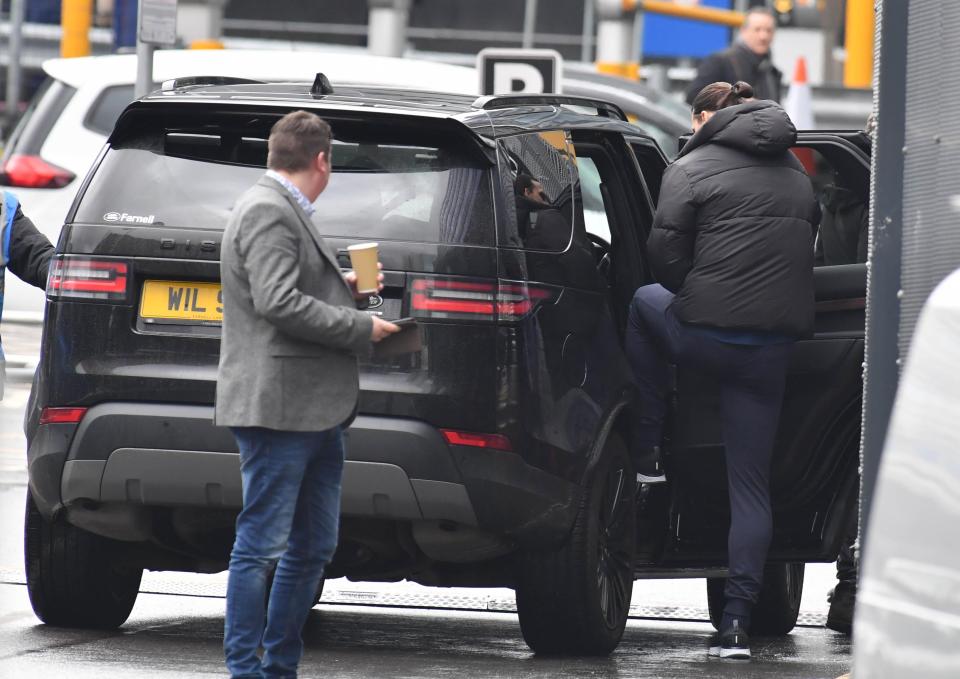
[290, 518]
[752, 380]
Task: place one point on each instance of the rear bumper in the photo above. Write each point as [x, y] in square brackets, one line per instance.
[178, 478]
[140, 455]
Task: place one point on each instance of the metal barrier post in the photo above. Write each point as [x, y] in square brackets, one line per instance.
[588, 19]
[636, 47]
[529, 23]
[76, 18]
[144, 68]
[14, 68]
[858, 70]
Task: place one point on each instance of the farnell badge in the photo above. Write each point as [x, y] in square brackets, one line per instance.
[128, 218]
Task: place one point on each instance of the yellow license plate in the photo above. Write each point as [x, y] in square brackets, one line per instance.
[180, 301]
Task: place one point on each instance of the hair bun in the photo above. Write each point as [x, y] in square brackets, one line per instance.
[743, 90]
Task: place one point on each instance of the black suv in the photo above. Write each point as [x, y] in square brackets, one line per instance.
[495, 456]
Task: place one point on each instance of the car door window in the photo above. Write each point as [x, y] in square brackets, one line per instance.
[595, 217]
[537, 171]
[843, 198]
[611, 211]
[651, 161]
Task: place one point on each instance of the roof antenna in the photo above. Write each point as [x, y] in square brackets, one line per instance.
[321, 86]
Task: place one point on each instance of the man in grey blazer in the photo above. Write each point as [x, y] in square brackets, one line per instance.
[287, 385]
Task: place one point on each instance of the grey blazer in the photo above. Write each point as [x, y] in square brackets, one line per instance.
[291, 329]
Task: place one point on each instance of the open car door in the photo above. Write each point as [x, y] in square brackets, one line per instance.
[814, 477]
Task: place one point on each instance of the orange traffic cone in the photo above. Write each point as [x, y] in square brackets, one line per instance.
[799, 106]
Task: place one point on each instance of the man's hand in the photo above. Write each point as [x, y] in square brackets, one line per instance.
[382, 329]
[351, 279]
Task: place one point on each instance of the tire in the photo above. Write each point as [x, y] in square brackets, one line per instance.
[575, 600]
[776, 612]
[74, 578]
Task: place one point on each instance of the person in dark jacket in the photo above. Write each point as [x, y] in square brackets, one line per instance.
[23, 250]
[844, 227]
[732, 247]
[843, 597]
[748, 59]
[530, 198]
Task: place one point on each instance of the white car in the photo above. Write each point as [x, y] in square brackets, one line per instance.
[907, 622]
[67, 123]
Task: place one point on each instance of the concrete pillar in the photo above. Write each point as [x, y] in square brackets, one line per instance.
[200, 22]
[387, 29]
[615, 38]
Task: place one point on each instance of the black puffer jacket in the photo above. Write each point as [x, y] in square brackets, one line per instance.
[733, 234]
[30, 251]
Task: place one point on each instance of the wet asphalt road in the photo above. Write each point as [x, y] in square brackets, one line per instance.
[173, 636]
[181, 636]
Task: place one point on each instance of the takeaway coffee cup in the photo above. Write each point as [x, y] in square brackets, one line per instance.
[363, 259]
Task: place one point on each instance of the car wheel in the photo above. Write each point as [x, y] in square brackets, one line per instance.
[778, 607]
[575, 600]
[74, 578]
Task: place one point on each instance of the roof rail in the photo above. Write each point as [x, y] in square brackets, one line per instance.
[195, 80]
[495, 101]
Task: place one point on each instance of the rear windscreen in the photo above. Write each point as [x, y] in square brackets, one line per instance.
[405, 184]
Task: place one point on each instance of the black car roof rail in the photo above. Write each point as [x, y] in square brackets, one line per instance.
[195, 80]
[495, 101]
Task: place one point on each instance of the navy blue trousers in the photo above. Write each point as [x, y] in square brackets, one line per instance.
[751, 379]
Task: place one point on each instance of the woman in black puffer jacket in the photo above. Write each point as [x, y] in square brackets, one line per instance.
[732, 247]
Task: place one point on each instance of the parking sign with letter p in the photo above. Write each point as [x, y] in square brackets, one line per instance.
[515, 71]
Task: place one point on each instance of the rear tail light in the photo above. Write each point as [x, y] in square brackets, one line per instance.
[61, 415]
[83, 278]
[33, 172]
[517, 300]
[442, 298]
[463, 438]
[504, 301]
